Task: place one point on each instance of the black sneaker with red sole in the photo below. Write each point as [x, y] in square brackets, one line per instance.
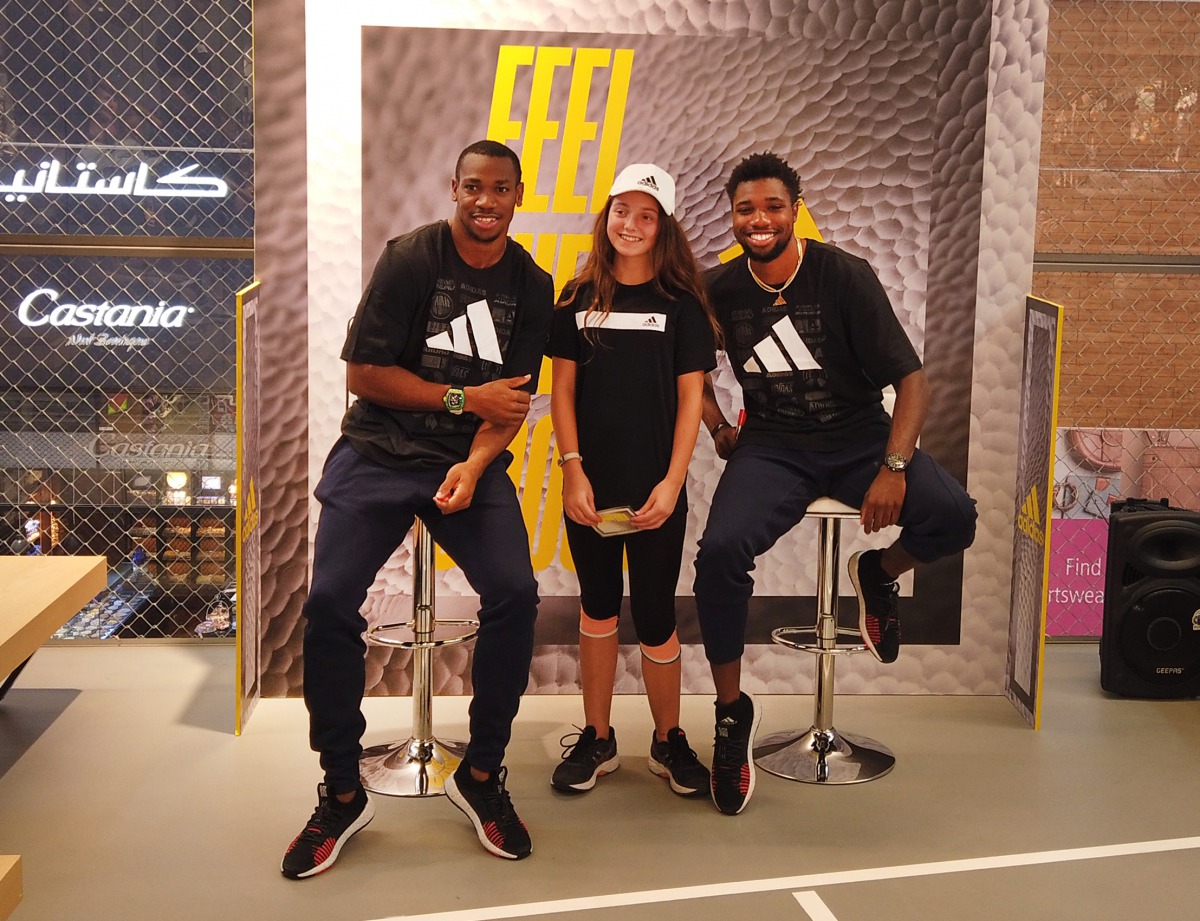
[333, 823]
[487, 804]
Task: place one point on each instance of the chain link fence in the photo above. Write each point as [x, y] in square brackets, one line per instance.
[133, 118]
[1118, 248]
[1120, 164]
[125, 119]
[117, 432]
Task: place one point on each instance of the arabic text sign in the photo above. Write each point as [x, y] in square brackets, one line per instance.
[137, 183]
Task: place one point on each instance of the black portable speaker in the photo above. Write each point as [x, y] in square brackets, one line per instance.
[1150, 645]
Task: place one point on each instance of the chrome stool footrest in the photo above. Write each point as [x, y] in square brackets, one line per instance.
[781, 635]
[377, 634]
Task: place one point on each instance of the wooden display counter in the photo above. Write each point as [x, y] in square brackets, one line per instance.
[38, 594]
[10, 884]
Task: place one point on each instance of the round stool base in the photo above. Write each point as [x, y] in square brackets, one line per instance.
[823, 756]
[411, 768]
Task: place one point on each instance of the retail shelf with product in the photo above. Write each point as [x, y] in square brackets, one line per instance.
[169, 563]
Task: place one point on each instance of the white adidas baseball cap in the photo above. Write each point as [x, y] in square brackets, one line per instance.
[648, 178]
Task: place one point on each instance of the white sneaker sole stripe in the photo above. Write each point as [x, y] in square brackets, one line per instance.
[862, 607]
[455, 796]
[606, 767]
[657, 767]
[363, 820]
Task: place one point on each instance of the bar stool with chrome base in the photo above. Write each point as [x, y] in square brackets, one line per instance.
[822, 754]
[420, 765]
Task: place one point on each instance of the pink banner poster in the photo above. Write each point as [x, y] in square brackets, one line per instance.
[1078, 548]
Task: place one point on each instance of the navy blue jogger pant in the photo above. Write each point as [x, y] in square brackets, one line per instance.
[763, 494]
[366, 511]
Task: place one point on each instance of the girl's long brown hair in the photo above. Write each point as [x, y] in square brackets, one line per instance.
[674, 266]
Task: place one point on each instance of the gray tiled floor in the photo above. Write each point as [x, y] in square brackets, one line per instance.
[128, 797]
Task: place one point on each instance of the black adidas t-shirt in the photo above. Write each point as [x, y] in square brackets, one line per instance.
[812, 369]
[626, 393]
[429, 312]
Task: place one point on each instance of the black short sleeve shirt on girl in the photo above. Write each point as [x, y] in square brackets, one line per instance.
[429, 312]
[812, 368]
[626, 395]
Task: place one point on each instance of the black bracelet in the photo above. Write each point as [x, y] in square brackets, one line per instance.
[716, 429]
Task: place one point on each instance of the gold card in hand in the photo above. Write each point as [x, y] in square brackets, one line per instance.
[614, 521]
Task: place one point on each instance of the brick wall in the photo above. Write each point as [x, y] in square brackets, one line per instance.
[1120, 176]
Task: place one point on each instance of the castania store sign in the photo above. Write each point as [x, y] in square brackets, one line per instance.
[133, 183]
[100, 322]
[115, 322]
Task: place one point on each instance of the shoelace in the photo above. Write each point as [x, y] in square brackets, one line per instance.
[500, 803]
[573, 750]
[887, 593]
[890, 593]
[317, 829]
[727, 755]
[680, 751]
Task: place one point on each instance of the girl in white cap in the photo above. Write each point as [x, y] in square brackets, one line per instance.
[631, 341]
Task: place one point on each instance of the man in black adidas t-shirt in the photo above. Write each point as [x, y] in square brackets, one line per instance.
[443, 354]
[812, 339]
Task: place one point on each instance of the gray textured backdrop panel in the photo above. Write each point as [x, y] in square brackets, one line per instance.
[280, 233]
[989, 72]
[1009, 200]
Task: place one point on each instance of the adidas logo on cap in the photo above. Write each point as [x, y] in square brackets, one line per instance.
[651, 320]
[648, 178]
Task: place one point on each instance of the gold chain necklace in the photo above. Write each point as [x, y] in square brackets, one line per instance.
[778, 292]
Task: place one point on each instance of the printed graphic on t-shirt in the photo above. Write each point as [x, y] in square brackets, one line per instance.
[769, 357]
[783, 368]
[466, 338]
[467, 330]
[647, 322]
[476, 323]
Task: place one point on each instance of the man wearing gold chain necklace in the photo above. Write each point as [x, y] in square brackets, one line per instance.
[812, 339]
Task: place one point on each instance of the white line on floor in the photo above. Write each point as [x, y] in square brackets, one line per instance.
[813, 906]
[812, 881]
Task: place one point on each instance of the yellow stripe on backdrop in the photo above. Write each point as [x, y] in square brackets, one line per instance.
[530, 72]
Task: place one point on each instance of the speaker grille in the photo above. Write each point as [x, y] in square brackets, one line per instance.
[1151, 641]
[1131, 575]
[1167, 547]
[1160, 634]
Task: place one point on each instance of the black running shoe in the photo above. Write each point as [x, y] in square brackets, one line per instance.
[878, 605]
[486, 803]
[585, 758]
[733, 768]
[332, 825]
[675, 760]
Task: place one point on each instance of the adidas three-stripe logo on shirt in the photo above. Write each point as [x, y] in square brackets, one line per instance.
[477, 323]
[788, 354]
